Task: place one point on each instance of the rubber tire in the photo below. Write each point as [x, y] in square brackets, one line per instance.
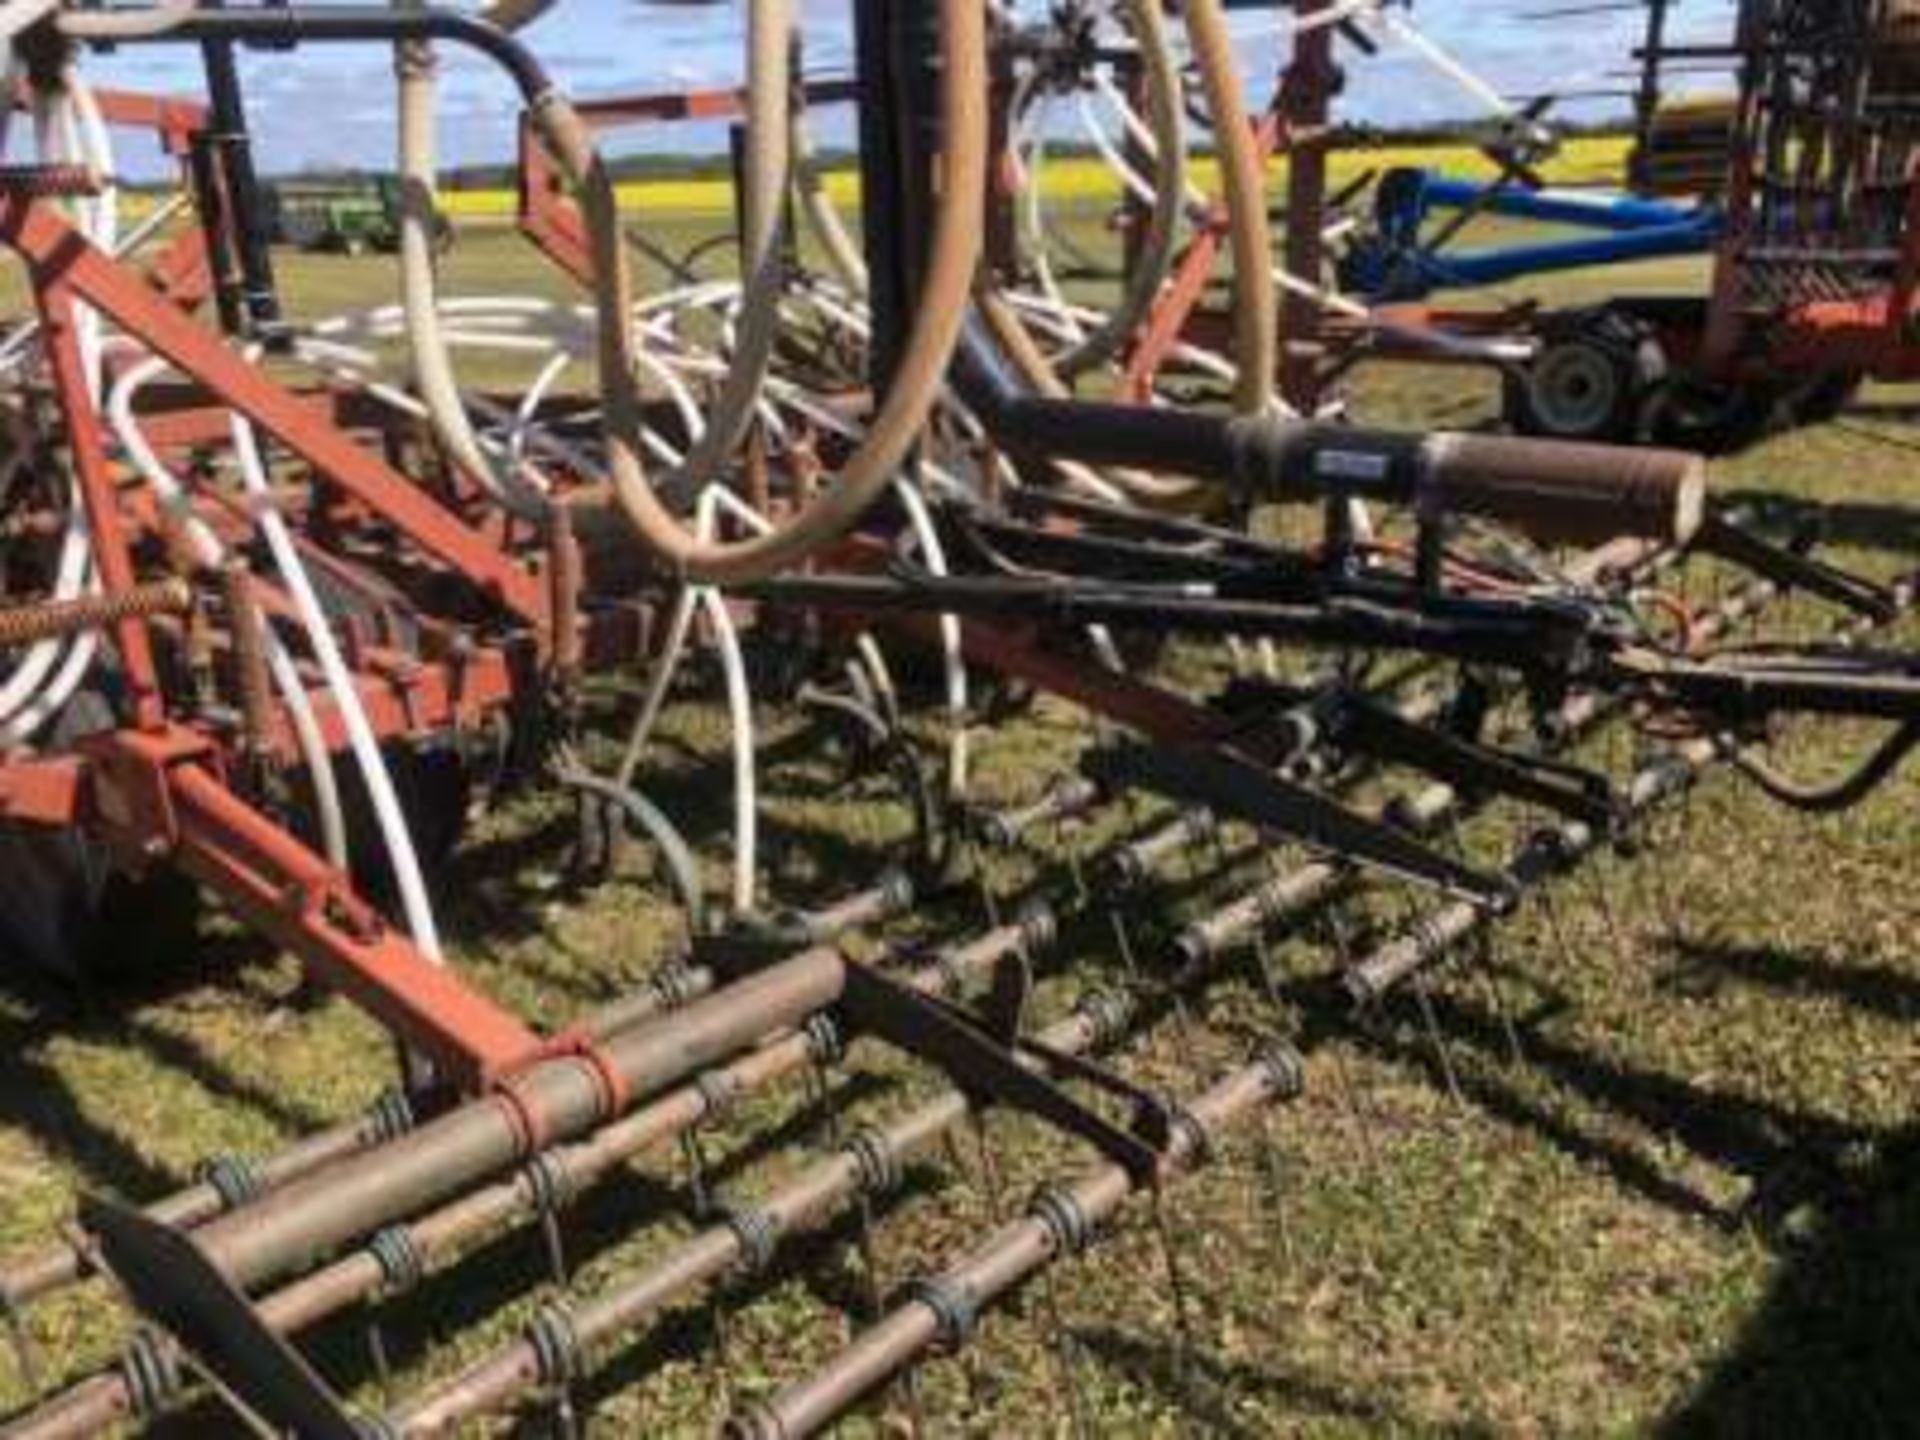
[1828, 398]
[1716, 419]
[1589, 380]
[64, 909]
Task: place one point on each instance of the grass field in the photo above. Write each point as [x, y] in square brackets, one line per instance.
[1689, 1204]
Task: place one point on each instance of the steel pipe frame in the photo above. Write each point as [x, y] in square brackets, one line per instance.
[1551, 852]
[949, 1304]
[1062, 1221]
[458, 1224]
[551, 1100]
[810, 1198]
[66, 269]
[323, 1292]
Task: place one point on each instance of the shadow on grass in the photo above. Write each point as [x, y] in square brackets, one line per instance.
[1832, 1349]
[1789, 1156]
[38, 1099]
[1209, 1389]
[1876, 989]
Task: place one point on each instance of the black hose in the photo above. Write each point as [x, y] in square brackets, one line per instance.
[1842, 794]
[346, 24]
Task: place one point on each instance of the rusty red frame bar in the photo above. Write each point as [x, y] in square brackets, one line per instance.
[61, 259]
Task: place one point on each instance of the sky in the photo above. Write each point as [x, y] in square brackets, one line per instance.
[334, 105]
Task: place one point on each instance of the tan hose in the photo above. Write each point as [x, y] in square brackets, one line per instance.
[433, 374]
[1017, 342]
[769, 100]
[1256, 317]
[819, 211]
[433, 371]
[1167, 119]
[126, 24]
[939, 317]
[511, 15]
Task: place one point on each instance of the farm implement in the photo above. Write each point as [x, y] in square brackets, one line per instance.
[286, 598]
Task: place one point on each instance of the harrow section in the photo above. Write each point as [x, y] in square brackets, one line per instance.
[285, 603]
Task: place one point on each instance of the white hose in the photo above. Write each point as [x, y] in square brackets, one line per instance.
[67, 126]
[521, 493]
[769, 34]
[935, 556]
[388, 815]
[210, 553]
[124, 24]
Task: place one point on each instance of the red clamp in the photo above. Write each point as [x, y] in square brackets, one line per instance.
[581, 1048]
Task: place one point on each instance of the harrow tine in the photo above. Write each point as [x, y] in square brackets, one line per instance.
[1602, 899]
[1063, 1220]
[1358, 1103]
[706, 1209]
[1177, 1289]
[26, 1358]
[1496, 996]
[1442, 1052]
[377, 1356]
[1065, 1349]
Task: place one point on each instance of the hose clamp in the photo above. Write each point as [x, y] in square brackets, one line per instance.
[150, 1367]
[1056, 1207]
[755, 1231]
[826, 1041]
[555, 1341]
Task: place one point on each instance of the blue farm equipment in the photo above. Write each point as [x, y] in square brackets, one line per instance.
[1406, 257]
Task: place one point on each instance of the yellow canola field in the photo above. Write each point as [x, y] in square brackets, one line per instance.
[1585, 160]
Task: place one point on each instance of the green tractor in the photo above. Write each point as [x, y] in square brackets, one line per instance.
[342, 217]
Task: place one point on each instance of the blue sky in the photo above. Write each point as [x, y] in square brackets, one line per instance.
[334, 105]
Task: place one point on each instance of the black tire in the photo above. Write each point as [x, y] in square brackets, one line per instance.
[1589, 381]
[1710, 416]
[1828, 397]
[66, 911]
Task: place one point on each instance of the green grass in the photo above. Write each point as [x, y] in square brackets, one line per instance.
[1690, 1205]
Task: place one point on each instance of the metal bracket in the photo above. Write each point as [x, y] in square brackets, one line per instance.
[173, 1283]
[1471, 766]
[992, 1068]
[1230, 784]
[1792, 569]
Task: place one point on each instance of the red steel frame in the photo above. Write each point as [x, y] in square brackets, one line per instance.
[156, 791]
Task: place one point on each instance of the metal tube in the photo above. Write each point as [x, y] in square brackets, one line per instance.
[258, 301]
[28, 1279]
[867, 1164]
[1061, 1221]
[1556, 849]
[349, 23]
[552, 1100]
[431, 1239]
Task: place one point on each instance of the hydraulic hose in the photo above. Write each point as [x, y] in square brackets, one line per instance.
[769, 139]
[509, 482]
[818, 210]
[1256, 316]
[1167, 119]
[943, 305]
[126, 24]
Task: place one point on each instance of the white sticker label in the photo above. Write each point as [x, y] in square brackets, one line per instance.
[1350, 464]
